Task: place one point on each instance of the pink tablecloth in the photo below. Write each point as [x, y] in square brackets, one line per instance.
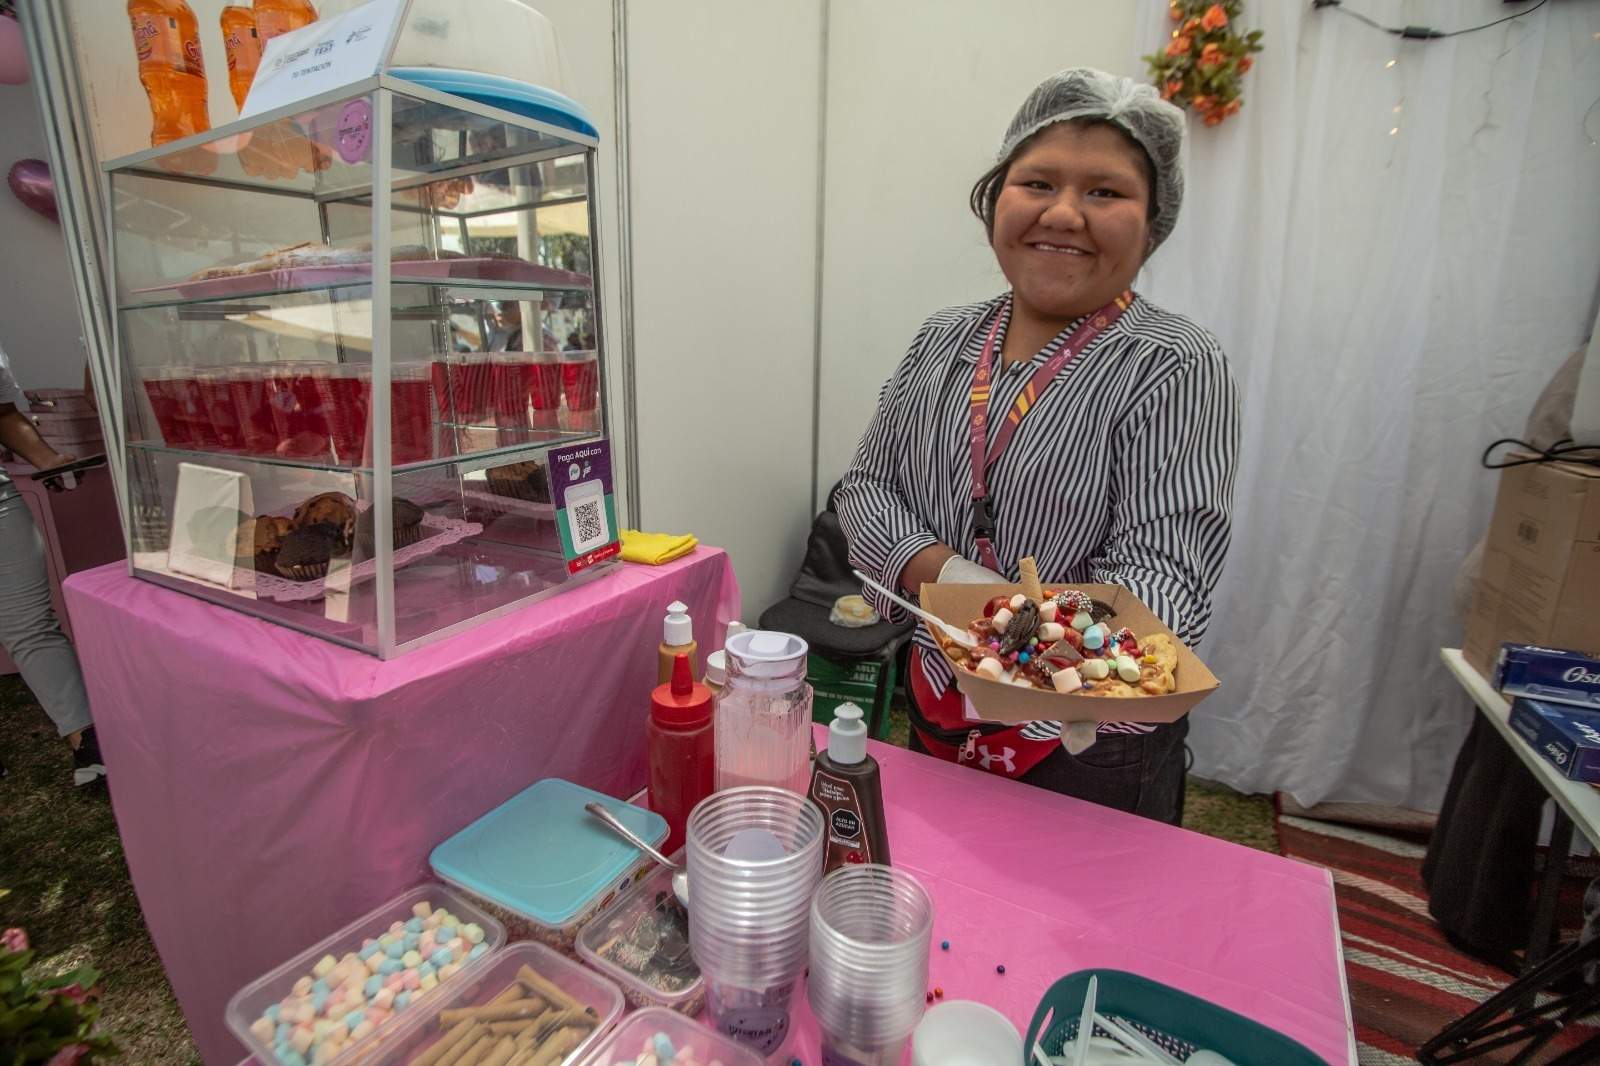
[1047, 885]
[270, 786]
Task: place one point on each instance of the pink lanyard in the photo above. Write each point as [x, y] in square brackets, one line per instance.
[978, 412]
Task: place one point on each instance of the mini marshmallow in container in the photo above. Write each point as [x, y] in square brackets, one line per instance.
[655, 1029]
[545, 866]
[250, 1007]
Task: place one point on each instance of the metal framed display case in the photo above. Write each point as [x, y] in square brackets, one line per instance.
[370, 311]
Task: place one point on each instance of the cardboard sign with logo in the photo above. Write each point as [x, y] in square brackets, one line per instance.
[328, 54]
[996, 701]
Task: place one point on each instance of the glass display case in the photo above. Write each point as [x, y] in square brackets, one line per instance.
[375, 314]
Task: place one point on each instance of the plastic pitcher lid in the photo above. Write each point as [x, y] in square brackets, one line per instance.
[677, 629]
[847, 735]
[763, 653]
[542, 855]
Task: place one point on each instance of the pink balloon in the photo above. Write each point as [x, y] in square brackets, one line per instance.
[32, 184]
[13, 53]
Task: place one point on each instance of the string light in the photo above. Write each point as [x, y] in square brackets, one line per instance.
[1391, 63]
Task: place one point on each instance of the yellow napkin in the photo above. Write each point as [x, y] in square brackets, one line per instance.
[654, 549]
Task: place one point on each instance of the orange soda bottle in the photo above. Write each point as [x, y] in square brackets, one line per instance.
[274, 17]
[244, 50]
[166, 38]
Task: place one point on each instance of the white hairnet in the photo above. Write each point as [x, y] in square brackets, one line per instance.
[1133, 107]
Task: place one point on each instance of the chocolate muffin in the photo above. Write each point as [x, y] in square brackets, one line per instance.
[522, 481]
[306, 551]
[260, 539]
[330, 508]
[406, 518]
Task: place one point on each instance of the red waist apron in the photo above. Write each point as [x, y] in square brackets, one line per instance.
[1004, 751]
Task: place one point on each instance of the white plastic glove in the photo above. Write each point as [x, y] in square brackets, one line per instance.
[959, 571]
[1079, 737]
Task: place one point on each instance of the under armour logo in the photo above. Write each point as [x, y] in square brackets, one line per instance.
[1004, 758]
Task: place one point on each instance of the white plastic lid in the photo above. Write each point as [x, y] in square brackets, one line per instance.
[762, 653]
[847, 735]
[735, 627]
[677, 630]
[717, 668]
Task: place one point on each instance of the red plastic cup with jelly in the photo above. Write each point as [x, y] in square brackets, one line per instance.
[298, 417]
[346, 392]
[411, 412]
[580, 380]
[247, 386]
[217, 402]
[164, 404]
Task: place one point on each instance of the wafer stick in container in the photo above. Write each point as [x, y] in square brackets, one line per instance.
[1031, 587]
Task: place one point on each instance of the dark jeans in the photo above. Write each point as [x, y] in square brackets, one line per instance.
[1140, 773]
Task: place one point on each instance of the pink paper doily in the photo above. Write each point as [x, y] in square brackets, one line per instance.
[442, 532]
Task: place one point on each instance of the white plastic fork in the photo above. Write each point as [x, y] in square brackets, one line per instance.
[955, 633]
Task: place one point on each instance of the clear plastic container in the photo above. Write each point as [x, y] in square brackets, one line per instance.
[763, 716]
[543, 865]
[273, 991]
[557, 984]
[641, 941]
[644, 1030]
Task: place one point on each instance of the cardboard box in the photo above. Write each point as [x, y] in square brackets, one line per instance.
[836, 681]
[1541, 570]
[1548, 674]
[999, 702]
[1567, 737]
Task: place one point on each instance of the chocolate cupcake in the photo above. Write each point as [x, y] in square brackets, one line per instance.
[406, 518]
[306, 552]
[521, 481]
[330, 508]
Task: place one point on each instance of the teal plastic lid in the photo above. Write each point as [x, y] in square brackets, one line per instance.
[542, 855]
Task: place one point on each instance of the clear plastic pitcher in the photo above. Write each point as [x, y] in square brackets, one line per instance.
[763, 730]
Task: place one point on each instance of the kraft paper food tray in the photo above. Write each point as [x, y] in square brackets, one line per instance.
[997, 701]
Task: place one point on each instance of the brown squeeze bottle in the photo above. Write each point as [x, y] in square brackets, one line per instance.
[846, 785]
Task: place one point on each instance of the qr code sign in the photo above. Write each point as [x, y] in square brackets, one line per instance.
[590, 522]
[587, 521]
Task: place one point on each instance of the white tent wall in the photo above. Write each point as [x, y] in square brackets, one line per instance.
[919, 95]
[39, 326]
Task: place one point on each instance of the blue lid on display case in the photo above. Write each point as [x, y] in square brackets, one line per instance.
[492, 90]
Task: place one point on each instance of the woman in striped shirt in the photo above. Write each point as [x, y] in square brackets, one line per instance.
[1115, 459]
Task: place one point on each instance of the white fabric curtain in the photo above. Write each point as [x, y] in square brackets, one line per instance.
[1398, 243]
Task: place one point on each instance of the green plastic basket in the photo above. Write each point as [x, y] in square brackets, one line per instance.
[1176, 1021]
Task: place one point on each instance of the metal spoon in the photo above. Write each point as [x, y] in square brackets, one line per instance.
[680, 876]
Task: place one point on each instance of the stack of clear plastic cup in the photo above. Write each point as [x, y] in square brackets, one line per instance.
[870, 929]
[754, 858]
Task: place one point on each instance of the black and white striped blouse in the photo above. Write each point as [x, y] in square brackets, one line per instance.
[1121, 473]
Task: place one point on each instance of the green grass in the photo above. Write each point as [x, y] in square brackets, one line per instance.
[61, 857]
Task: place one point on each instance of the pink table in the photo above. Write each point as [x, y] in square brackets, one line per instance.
[1047, 885]
[270, 786]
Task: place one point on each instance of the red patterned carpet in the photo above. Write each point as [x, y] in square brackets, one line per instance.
[1406, 981]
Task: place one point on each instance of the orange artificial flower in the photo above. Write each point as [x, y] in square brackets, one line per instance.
[1245, 63]
[1191, 25]
[1215, 18]
[1211, 56]
[1214, 120]
[1172, 88]
[1176, 12]
[1233, 106]
[1178, 47]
